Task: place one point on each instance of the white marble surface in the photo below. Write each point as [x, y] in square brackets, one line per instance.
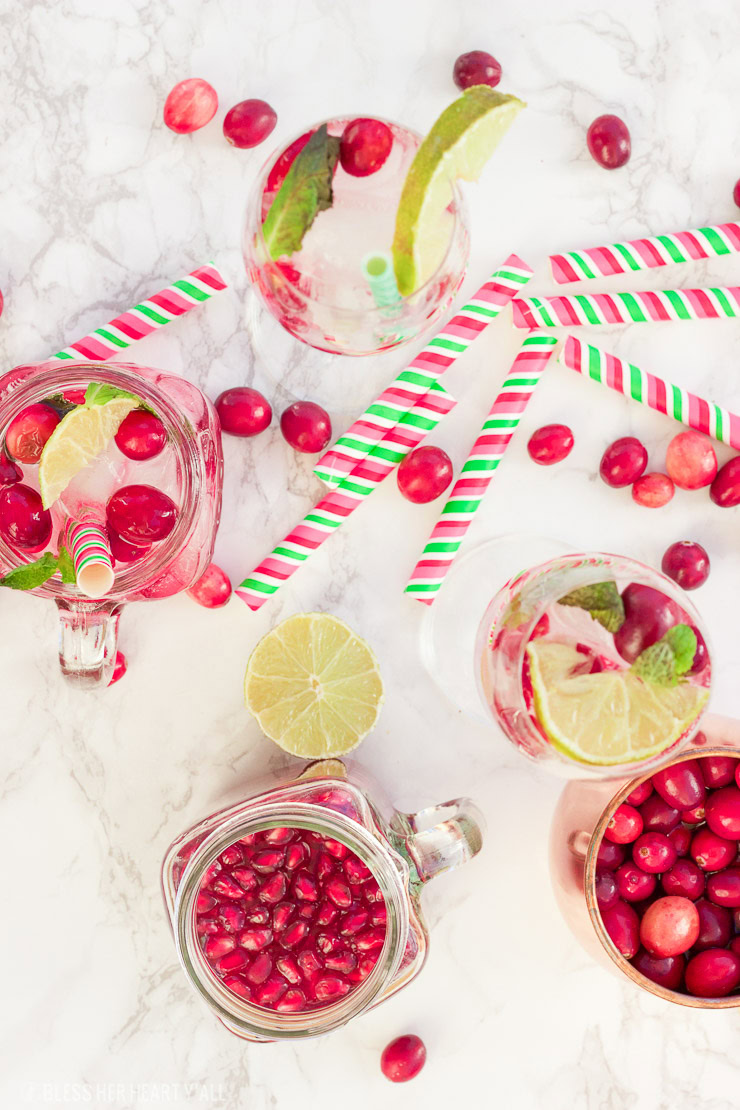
[100, 204]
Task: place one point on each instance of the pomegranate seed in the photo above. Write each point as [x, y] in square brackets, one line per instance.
[207, 926]
[246, 878]
[352, 923]
[424, 474]
[254, 940]
[248, 840]
[723, 888]
[141, 435]
[336, 848]
[718, 770]
[339, 893]
[550, 444]
[249, 123]
[328, 988]
[232, 961]
[243, 411]
[625, 825]
[713, 973]
[269, 860]
[213, 588]
[364, 146]
[356, 871]
[723, 812]
[324, 866]
[680, 838]
[477, 67]
[282, 915]
[712, 852]
[141, 514]
[653, 491]
[403, 1058]
[609, 142]
[239, 986]
[309, 962]
[640, 794]
[278, 835]
[725, 489]
[363, 969]
[715, 928]
[658, 816]
[225, 885]
[232, 856]
[681, 785]
[379, 915]
[305, 888]
[669, 926]
[684, 880]
[289, 969]
[610, 855]
[120, 667]
[344, 961]
[633, 884]
[327, 942]
[204, 902]
[218, 945]
[306, 427]
[124, 552]
[231, 917]
[190, 105]
[667, 972]
[259, 969]
[371, 892]
[690, 461]
[24, 521]
[327, 913]
[212, 872]
[29, 431]
[307, 911]
[257, 915]
[294, 934]
[369, 939]
[686, 563]
[623, 462]
[271, 991]
[292, 1002]
[653, 852]
[295, 855]
[273, 891]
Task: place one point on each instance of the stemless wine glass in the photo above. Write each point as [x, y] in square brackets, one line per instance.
[318, 293]
[89, 629]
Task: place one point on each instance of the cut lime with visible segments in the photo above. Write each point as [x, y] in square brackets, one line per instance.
[458, 146]
[608, 718]
[78, 439]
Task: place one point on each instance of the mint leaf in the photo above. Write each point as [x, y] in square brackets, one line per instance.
[602, 601]
[31, 575]
[99, 393]
[684, 644]
[668, 659]
[66, 566]
[305, 191]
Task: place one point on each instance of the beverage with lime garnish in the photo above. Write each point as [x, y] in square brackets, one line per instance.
[595, 663]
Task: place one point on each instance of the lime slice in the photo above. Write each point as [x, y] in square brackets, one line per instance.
[314, 686]
[607, 718]
[78, 439]
[459, 145]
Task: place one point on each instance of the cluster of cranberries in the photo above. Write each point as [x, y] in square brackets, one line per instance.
[668, 877]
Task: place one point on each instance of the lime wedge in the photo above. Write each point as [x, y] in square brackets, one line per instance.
[314, 686]
[78, 439]
[459, 145]
[606, 718]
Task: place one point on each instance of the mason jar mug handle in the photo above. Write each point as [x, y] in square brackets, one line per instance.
[442, 837]
[88, 636]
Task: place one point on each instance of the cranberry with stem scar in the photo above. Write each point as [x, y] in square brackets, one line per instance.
[243, 411]
[424, 474]
[550, 444]
[693, 816]
[653, 852]
[249, 123]
[634, 884]
[190, 105]
[669, 927]
[477, 67]
[625, 825]
[687, 563]
[712, 852]
[609, 142]
[364, 146]
[403, 1058]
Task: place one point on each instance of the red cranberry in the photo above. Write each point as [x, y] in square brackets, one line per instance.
[609, 142]
[623, 462]
[213, 588]
[681, 785]
[190, 105]
[141, 514]
[141, 435]
[718, 770]
[119, 668]
[686, 563]
[28, 432]
[736, 193]
[306, 427]
[9, 472]
[477, 67]
[693, 816]
[667, 972]
[690, 460]
[279, 171]
[623, 926]
[701, 656]
[424, 474]
[24, 522]
[680, 838]
[658, 816]
[684, 880]
[625, 825]
[641, 793]
[653, 491]
[364, 146]
[403, 1058]
[249, 123]
[648, 615]
[712, 852]
[654, 852]
[606, 890]
[725, 489]
[723, 888]
[243, 411]
[723, 812]
[610, 855]
[550, 444]
[713, 973]
[124, 552]
[669, 927]
[737, 774]
[715, 927]
[633, 884]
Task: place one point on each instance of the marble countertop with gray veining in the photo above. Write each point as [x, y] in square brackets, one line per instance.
[100, 205]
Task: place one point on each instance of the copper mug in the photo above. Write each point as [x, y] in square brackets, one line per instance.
[581, 816]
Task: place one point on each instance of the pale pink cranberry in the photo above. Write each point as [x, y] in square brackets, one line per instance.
[24, 522]
[550, 444]
[403, 1058]
[667, 972]
[681, 785]
[243, 411]
[623, 462]
[29, 431]
[141, 435]
[609, 142]
[715, 925]
[364, 146]
[213, 588]
[9, 472]
[634, 884]
[119, 668]
[306, 427]
[249, 123]
[669, 926]
[718, 770]
[477, 67]
[654, 852]
[723, 888]
[625, 825]
[725, 489]
[653, 491]
[424, 474]
[723, 812]
[684, 880]
[190, 105]
[623, 926]
[648, 616]
[690, 460]
[712, 852]
[713, 973]
[141, 514]
[640, 793]
[686, 563]
[124, 552]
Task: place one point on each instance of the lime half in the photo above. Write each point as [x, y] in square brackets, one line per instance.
[78, 439]
[459, 145]
[607, 718]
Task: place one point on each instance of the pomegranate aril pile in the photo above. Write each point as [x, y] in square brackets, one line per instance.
[290, 919]
[673, 909]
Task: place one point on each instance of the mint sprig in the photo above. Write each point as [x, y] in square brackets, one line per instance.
[665, 662]
[99, 393]
[305, 191]
[30, 576]
[66, 566]
[602, 601]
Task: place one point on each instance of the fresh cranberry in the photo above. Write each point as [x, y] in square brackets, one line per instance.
[737, 774]
[610, 855]
[653, 491]
[713, 973]
[190, 105]
[633, 883]
[24, 522]
[641, 793]
[684, 879]
[686, 563]
[364, 146]
[609, 142]
[625, 825]
[669, 927]
[29, 431]
[213, 588]
[279, 171]
[249, 123]
[718, 770]
[658, 816]
[9, 472]
[648, 615]
[667, 972]
[403, 1058]
[723, 888]
[712, 852]
[680, 838]
[141, 435]
[654, 852]
[690, 460]
[623, 462]
[715, 925]
[124, 552]
[681, 785]
[693, 816]
[477, 67]
[550, 444]
[623, 926]
[243, 411]
[605, 889]
[736, 193]
[424, 474]
[306, 427]
[701, 656]
[141, 514]
[725, 489]
[119, 668]
[723, 812]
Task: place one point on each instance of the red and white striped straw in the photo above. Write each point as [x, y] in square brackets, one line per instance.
[91, 556]
[478, 470]
[451, 341]
[596, 309]
[646, 254]
[168, 304]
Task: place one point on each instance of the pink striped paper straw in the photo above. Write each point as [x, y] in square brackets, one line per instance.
[478, 470]
[646, 254]
[146, 317]
[338, 504]
[582, 309]
[451, 341]
[89, 547]
[672, 400]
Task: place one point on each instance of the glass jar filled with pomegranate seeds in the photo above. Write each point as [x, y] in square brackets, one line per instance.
[297, 909]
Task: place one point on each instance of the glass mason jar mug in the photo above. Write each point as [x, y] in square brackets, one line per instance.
[189, 469]
[298, 908]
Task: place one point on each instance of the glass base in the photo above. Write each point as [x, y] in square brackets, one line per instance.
[450, 626]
